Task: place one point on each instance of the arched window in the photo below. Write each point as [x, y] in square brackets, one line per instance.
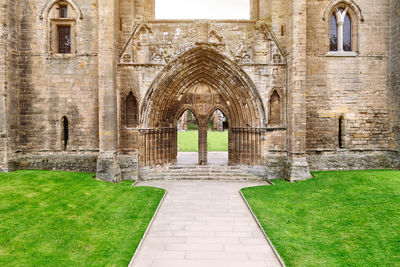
[347, 33]
[345, 17]
[333, 29]
[61, 17]
[340, 30]
[341, 132]
[131, 111]
[65, 132]
[275, 109]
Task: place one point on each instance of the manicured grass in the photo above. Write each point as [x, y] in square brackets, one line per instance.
[348, 218]
[70, 219]
[216, 141]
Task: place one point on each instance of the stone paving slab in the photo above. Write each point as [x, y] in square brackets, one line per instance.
[204, 223]
[191, 158]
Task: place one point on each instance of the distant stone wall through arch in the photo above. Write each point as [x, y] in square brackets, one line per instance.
[201, 80]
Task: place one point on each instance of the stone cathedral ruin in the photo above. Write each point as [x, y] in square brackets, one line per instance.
[99, 85]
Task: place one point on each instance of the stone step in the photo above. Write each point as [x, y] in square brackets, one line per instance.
[199, 173]
[212, 172]
[207, 178]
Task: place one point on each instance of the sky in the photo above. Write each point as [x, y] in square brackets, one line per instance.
[202, 9]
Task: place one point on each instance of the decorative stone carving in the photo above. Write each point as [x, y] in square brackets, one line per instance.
[126, 58]
[277, 59]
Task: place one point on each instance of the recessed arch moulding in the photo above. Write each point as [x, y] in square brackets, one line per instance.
[234, 73]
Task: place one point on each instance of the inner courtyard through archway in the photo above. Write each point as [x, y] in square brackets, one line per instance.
[216, 139]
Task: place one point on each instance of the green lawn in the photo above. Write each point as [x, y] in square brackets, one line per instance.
[349, 218]
[52, 218]
[216, 141]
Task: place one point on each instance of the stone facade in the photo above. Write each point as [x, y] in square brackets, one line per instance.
[292, 105]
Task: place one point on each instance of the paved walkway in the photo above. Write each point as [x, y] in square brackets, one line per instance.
[192, 158]
[204, 224]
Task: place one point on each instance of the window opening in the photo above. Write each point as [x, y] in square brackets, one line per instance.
[63, 11]
[131, 111]
[333, 34]
[347, 34]
[341, 133]
[64, 39]
[65, 132]
[340, 31]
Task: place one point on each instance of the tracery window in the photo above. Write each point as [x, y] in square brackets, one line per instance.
[340, 30]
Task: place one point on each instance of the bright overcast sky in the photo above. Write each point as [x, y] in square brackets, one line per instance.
[202, 9]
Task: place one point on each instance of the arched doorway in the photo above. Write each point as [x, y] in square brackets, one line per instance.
[188, 129]
[203, 81]
[218, 139]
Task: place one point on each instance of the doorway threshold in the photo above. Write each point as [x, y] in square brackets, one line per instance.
[191, 158]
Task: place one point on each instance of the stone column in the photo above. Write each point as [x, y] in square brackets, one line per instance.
[340, 16]
[3, 84]
[107, 167]
[144, 9]
[202, 140]
[254, 9]
[265, 9]
[150, 9]
[297, 120]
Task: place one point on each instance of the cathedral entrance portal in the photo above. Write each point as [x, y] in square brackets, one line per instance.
[188, 139]
[202, 81]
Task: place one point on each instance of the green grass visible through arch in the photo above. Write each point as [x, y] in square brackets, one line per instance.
[348, 218]
[70, 219]
[216, 141]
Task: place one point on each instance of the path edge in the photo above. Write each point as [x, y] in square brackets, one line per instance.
[147, 230]
[262, 230]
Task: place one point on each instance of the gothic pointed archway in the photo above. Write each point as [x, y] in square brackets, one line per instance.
[201, 80]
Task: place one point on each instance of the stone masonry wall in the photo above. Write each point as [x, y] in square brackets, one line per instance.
[354, 87]
[38, 88]
[394, 68]
[156, 43]
[53, 85]
[3, 84]
[8, 82]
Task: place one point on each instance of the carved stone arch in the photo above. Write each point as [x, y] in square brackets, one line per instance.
[281, 103]
[220, 108]
[355, 15]
[203, 80]
[204, 63]
[355, 9]
[50, 4]
[131, 110]
[125, 93]
[183, 110]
